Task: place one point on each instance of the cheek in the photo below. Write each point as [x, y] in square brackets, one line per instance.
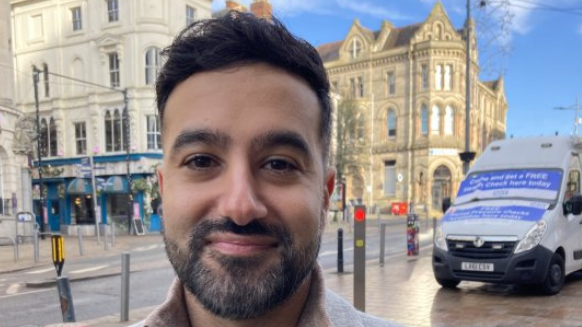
[182, 210]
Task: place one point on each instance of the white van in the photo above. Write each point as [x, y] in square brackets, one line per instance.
[516, 218]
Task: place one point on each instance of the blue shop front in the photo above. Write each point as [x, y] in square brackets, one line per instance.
[69, 201]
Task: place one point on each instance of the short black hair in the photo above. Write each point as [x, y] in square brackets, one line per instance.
[238, 39]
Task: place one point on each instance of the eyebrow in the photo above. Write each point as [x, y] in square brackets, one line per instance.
[200, 136]
[283, 138]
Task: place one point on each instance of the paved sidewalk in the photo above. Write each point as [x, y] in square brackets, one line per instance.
[403, 290]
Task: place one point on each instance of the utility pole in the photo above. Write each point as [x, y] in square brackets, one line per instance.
[467, 156]
[575, 107]
[128, 151]
[43, 219]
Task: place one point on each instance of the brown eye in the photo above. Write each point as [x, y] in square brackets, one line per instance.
[201, 162]
[279, 164]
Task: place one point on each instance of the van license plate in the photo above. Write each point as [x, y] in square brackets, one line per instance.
[477, 266]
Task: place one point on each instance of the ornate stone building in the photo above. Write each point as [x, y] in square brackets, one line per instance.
[409, 85]
[15, 143]
[110, 48]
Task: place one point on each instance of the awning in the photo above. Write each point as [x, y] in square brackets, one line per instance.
[115, 184]
[80, 186]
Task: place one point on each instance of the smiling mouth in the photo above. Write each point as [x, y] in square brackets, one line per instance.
[241, 245]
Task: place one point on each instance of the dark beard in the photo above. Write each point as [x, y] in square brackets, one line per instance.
[241, 289]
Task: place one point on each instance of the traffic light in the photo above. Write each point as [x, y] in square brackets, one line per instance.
[359, 213]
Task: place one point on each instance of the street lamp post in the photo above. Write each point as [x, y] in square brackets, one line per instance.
[43, 221]
[128, 150]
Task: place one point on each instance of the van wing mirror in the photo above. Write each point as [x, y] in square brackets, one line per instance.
[573, 205]
[576, 204]
[446, 204]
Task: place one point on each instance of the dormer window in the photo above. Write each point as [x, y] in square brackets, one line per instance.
[355, 48]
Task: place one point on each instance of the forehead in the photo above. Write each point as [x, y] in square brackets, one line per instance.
[243, 101]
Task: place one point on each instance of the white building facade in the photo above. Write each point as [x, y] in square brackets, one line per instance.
[96, 62]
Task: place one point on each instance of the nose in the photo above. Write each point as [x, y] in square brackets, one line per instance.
[241, 200]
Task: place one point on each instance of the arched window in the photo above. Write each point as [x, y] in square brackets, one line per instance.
[441, 186]
[152, 65]
[391, 124]
[438, 77]
[117, 134]
[449, 121]
[44, 138]
[355, 48]
[448, 77]
[53, 151]
[424, 120]
[435, 120]
[361, 128]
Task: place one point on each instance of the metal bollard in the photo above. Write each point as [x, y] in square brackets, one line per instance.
[106, 237]
[80, 239]
[340, 250]
[382, 243]
[36, 249]
[433, 227]
[125, 286]
[67, 308]
[112, 234]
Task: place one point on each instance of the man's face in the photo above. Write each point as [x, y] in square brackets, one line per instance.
[244, 187]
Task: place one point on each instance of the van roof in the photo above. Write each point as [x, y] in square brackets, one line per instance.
[530, 152]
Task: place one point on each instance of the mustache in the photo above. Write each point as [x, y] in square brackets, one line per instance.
[255, 227]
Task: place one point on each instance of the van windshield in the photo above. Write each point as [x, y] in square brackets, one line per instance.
[530, 184]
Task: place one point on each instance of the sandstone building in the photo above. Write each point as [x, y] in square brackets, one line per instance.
[409, 86]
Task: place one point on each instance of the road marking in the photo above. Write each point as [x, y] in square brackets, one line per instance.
[25, 293]
[40, 271]
[88, 269]
[13, 289]
[146, 248]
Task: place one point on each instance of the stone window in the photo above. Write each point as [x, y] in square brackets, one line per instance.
[77, 18]
[112, 11]
[152, 65]
[81, 138]
[154, 136]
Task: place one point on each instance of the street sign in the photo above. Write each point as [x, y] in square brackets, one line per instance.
[58, 253]
[24, 216]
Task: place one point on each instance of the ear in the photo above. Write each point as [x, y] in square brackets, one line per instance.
[329, 187]
[330, 184]
[160, 175]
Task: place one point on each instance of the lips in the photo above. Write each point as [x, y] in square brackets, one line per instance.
[240, 245]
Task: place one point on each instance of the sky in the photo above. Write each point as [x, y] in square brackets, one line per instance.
[535, 44]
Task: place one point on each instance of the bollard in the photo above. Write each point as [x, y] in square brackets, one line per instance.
[35, 242]
[80, 239]
[382, 243]
[433, 227]
[112, 234]
[66, 299]
[106, 236]
[125, 286]
[340, 250]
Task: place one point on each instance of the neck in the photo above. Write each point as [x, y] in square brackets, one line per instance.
[287, 314]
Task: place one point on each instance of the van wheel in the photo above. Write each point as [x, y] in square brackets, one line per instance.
[448, 283]
[554, 280]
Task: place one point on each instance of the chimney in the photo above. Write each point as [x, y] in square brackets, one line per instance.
[233, 5]
[262, 9]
